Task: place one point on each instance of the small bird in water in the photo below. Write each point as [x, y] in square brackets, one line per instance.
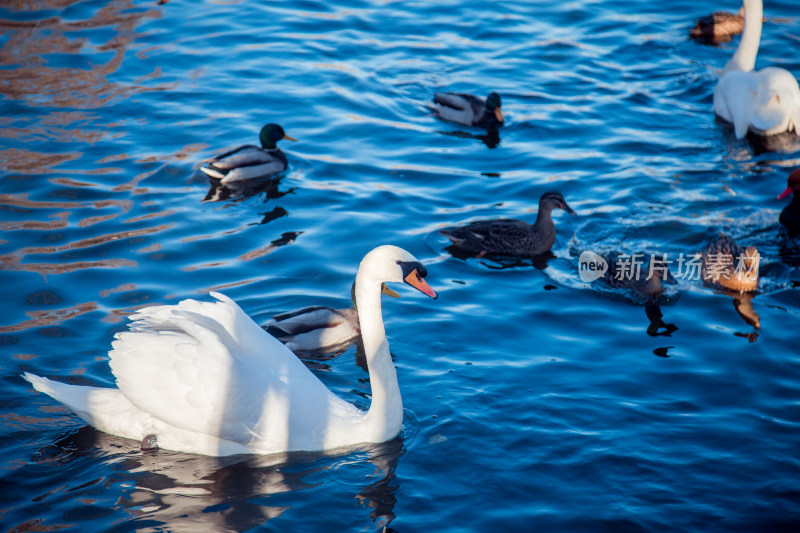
[647, 282]
[718, 27]
[508, 237]
[790, 216]
[470, 110]
[249, 161]
[726, 265]
[320, 330]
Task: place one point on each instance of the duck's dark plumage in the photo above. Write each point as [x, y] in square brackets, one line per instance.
[718, 27]
[508, 237]
[727, 265]
[790, 216]
[470, 110]
[642, 282]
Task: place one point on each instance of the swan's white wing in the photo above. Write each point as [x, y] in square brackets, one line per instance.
[208, 368]
[735, 99]
[778, 101]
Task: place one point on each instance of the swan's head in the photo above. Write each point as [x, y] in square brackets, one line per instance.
[271, 134]
[392, 264]
[793, 186]
[494, 105]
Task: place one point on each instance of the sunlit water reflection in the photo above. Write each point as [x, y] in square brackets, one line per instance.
[533, 399]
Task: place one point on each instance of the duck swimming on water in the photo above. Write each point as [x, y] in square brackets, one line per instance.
[509, 237]
[790, 216]
[470, 110]
[319, 330]
[249, 161]
[728, 266]
[718, 27]
[647, 282]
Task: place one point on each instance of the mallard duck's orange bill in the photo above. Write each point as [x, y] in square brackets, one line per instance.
[388, 291]
[416, 281]
[785, 193]
[499, 115]
[289, 138]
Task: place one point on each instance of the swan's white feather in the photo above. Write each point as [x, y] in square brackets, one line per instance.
[207, 367]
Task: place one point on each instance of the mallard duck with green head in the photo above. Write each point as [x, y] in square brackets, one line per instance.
[470, 110]
[248, 161]
[317, 330]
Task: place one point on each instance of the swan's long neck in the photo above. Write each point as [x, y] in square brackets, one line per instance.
[385, 415]
[745, 56]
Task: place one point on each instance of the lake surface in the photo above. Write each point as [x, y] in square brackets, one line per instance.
[534, 401]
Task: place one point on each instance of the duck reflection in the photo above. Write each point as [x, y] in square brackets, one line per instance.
[501, 262]
[242, 190]
[732, 270]
[201, 493]
[642, 285]
[491, 138]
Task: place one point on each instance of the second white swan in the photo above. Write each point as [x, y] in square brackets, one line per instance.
[766, 101]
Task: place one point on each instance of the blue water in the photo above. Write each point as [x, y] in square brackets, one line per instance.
[533, 400]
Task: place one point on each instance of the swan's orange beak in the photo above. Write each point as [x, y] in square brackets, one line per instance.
[416, 281]
[499, 115]
[785, 193]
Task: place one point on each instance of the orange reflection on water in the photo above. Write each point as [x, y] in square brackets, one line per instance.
[13, 260]
[24, 161]
[60, 222]
[34, 79]
[22, 201]
[50, 317]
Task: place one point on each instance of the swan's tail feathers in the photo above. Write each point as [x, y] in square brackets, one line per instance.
[105, 408]
[75, 397]
[39, 383]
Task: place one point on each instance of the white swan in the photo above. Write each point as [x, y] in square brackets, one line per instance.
[203, 377]
[765, 101]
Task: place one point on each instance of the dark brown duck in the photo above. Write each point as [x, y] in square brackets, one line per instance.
[726, 265]
[509, 237]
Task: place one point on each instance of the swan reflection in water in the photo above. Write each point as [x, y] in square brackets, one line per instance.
[189, 493]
